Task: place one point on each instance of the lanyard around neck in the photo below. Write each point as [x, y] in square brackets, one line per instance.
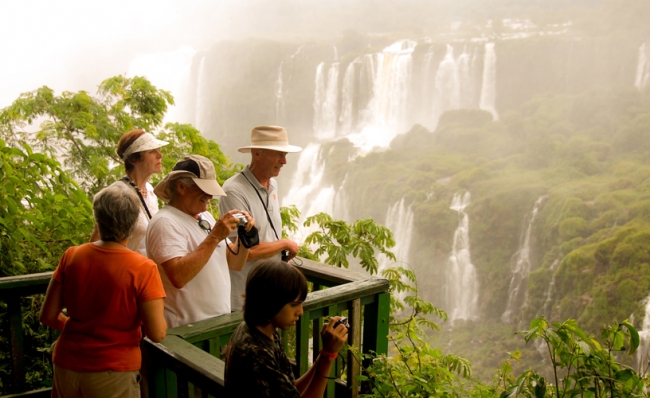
[127, 180]
[268, 217]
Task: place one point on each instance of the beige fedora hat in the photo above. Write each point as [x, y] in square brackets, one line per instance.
[199, 168]
[270, 137]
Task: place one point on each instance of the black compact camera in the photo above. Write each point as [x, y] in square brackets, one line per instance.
[343, 321]
[242, 219]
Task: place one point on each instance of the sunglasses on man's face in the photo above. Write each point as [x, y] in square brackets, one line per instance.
[205, 225]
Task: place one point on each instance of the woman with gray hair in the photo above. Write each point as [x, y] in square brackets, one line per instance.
[110, 294]
[140, 152]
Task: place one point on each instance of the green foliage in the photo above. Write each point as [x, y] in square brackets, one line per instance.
[82, 131]
[582, 366]
[42, 211]
[338, 240]
[45, 207]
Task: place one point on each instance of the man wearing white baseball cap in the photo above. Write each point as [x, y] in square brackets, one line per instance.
[191, 247]
[256, 191]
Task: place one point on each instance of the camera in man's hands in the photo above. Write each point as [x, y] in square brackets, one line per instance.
[343, 321]
[242, 219]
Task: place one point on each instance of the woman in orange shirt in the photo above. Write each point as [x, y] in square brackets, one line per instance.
[110, 294]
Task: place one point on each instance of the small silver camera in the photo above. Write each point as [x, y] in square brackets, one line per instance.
[242, 219]
[343, 321]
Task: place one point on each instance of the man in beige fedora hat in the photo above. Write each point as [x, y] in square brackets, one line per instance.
[255, 190]
[190, 246]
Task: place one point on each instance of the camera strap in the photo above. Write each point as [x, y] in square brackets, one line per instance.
[127, 180]
[268, 217]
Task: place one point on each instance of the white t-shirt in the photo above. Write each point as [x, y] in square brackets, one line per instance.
[173, 233]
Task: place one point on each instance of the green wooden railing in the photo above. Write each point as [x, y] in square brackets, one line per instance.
[187, 363]
[12, 290]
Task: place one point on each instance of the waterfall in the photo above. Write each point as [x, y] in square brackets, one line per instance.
[462, 284]
[348, 96]
[642, 80]
[428, 87]
[447, 85]
[520, 267]
[643, 351]
[326, 100]
[548, 295]
[399, 220]
[488, 89]
[279, 99]
[385, 116]
[169, 71]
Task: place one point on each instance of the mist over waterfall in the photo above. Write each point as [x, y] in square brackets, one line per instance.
[462, 283]
[171, 71]
[642, 80]
[520, 267]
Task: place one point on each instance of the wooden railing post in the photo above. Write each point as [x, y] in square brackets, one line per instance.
[375, 333]
[17, 346]
[354, 339]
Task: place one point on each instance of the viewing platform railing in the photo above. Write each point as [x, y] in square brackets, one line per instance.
[188, 362]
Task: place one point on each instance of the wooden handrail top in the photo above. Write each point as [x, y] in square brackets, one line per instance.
[198, 366]
[227, 323]
[327, 275]
[24, 285]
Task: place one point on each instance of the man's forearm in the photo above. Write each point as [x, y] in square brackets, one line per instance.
[266, 249]
[182, 270]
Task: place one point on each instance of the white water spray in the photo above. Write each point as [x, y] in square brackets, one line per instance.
[462, 283]
[488, 89]
[520, 267]
[642, 80]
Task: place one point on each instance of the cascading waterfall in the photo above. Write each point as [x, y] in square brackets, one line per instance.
[642, 80]
[643, 352]
[306, 182]
[385, 80]
[399, 220]
[429, 70]
[447, 86]
[385, 114]
[520, 267]
[169, 71]
[488, 90]
[462, 283]
[347, 116]
[548, 295]
[326, 100]
[279, 98]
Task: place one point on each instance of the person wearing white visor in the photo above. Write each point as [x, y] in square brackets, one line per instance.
[140, 152]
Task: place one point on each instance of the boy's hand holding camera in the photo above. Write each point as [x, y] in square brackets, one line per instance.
[334, 335]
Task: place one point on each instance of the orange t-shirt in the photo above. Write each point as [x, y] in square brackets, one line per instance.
[102, 291]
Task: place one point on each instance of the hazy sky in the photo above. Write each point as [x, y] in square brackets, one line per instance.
[74, 44]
